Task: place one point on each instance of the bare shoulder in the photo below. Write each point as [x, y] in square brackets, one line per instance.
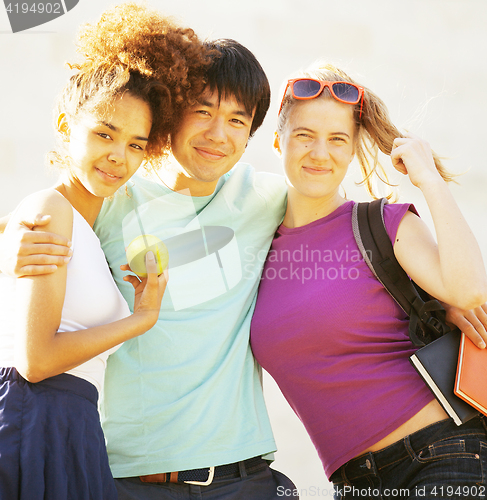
[415, 247]
[48, 202]
[411, 227]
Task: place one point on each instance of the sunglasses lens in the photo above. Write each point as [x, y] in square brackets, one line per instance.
[346, 92]
[306, 88]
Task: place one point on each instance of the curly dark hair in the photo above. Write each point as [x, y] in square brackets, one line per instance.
[137, 50]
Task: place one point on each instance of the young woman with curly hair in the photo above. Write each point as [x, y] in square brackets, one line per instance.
[117, 110]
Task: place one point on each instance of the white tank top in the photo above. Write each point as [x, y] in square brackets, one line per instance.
[91, 299]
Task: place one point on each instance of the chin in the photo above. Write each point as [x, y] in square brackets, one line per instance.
[313, 191]
[104, 193]
[208, 176]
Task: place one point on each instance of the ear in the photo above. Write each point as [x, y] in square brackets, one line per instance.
[276, 144]
[63, 126]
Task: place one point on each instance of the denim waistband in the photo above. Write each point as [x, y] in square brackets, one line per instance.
[372, 462]
[62, 382]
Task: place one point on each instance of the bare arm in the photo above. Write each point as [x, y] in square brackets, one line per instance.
[452, 269]
[42, 351]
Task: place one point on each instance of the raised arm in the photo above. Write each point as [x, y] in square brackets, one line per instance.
[25, 252]
[451, 269]
[42, 351]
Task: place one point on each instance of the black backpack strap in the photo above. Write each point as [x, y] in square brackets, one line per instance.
[427, 316]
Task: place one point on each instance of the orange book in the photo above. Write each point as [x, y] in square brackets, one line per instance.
[471, 379]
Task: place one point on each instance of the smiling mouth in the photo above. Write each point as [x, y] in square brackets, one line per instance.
[317, 171]
[210, 154]
[108, 176]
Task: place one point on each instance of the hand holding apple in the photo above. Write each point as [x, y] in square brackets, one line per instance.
[137, 250]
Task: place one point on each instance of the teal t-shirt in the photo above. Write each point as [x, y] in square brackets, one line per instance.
[187, 393]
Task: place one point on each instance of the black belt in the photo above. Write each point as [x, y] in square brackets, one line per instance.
[204, 477]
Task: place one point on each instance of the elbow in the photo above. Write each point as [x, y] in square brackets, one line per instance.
[32, 376]
[473, 299]
[32, 371]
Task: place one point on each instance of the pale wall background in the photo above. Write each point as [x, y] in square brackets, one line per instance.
[425, 58]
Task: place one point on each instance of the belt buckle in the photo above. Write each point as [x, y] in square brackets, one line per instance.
[211, 473]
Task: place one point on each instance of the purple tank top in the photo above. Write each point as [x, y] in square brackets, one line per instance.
[334, 340]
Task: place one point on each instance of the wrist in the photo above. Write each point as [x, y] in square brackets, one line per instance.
[146, 319]
[432, 183]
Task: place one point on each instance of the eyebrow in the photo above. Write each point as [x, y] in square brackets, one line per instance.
[210, 104]
[116, 129]
[306, 129]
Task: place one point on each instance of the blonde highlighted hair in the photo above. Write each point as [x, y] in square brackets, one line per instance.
[375, 130]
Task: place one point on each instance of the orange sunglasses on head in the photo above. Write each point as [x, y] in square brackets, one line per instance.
[309, 88]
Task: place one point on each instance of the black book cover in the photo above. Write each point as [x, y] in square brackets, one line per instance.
[437, 365]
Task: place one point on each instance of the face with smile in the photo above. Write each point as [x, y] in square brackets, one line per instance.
[210, 140]
[105, 153]
[317, 146]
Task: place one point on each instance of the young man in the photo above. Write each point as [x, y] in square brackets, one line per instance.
[187, 395]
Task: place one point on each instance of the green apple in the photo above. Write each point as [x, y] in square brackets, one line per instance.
[137, 250]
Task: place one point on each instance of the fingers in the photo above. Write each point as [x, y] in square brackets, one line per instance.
[40, 263]
[40, 252]
[36, 270]
[30, 253]
[150, 263]
[476, 329]
[35, 265]
[44, 242]
[407, 136]
[133, 280]
[45, 254]
[412, 141]
[402, 146]
[412, 156]
[473, 323]
[40, 220]
[153, 279]
[164, 275]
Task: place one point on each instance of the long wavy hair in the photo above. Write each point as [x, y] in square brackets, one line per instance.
[374, 129]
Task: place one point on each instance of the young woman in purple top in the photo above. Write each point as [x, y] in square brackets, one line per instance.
[326, 329]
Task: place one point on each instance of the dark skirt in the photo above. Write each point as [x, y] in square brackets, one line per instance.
[51, 442]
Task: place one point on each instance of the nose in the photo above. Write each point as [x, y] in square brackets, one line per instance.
[319, 151]
[216, 130]
[117, 154]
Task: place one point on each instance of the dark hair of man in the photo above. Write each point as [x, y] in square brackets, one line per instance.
[236, 72]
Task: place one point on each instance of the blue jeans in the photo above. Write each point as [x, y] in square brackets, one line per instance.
[440, 462]
[263, 484]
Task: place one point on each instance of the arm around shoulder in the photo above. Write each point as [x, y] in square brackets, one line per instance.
[42, 350]
[27, 248]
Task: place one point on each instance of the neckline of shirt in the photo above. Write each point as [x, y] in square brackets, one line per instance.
[347, 206]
